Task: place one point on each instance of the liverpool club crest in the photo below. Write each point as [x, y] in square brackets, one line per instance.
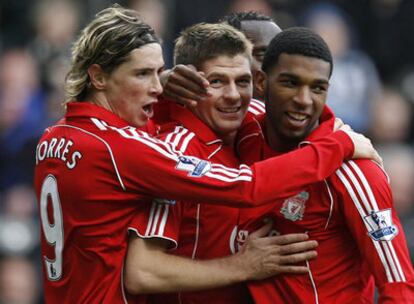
[294, 207]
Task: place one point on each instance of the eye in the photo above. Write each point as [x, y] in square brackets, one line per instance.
[215, 82]
[319, 89]
[290, 83]
[143, 73]
[244, 82]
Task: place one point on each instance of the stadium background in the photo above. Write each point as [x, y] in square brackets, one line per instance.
[372, 89]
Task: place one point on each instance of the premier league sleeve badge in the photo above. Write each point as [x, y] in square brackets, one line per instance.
[380, 226]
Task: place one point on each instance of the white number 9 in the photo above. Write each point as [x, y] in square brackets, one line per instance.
[53, 232]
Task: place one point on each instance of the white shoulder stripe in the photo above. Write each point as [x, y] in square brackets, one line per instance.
[186, 141]
[164, 220]
[253, 111]
[363, 214]
[157, 219]
[395, 264]
[229, 179]
[179, 138]
[365, 205]
[219, 172]
[151, 217]
[366, 185]
[256, 107]
[242, 169]
[229, 173]
[107, 146]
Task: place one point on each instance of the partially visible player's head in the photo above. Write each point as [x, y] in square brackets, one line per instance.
[112, 49]
[223, 54]
[259, 29]
[297, 67]
[204, 41]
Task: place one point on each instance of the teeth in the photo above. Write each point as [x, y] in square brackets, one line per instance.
[297, 116]
[229, 110]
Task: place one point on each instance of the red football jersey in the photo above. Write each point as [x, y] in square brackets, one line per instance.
[204, 231]
[352, 217]
[93, 172]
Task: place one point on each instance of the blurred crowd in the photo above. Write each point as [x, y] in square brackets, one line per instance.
[372, 89]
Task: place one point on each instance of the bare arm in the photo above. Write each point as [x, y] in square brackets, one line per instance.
[150, 269]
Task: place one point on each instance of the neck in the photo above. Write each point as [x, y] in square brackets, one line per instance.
[100, 100]
[277, 143]
[228, 139]
[281, 143]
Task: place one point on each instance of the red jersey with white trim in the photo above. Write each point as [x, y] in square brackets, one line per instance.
[93, 172]
[256, 107]
[204, 230]
[163, 111]
[352, 217]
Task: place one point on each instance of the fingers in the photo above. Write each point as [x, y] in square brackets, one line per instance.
[262, 231]
[297, 247]
[345, 128]
[338, 123]
[185, 85]
[293, 269]
[181, 94]
[190, 72]
[297, 258]
[188, 78]
[285, 239]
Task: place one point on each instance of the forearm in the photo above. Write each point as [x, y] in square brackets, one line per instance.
[301, 167]
[150, 270]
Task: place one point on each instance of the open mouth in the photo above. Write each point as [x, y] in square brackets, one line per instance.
[148, 109]
[299, 117]
[229, 110]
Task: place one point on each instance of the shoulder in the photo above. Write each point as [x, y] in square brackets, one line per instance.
[250, 131]
[362, 176]
[179, 137]
[256, 107]
[363, 168]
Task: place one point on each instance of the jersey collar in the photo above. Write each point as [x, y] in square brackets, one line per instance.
[88, 110]
[326, 124]
[191, 122]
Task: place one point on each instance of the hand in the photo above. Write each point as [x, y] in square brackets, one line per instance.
[263, 257]
[184, 84]
[363, 147]
[338, 124]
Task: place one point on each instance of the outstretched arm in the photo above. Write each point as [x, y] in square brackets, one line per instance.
[150, 269]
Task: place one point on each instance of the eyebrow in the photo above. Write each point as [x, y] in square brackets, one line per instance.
[217, 74]
[320, 80]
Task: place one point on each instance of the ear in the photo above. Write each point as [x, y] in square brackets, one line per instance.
[97, 76]
[260, 83]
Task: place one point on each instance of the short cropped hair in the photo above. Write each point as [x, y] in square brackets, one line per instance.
[107, 40]
[235, 19]
[205, 41]
[296, 41]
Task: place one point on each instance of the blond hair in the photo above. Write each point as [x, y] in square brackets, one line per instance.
[205, 41]
[107, 40]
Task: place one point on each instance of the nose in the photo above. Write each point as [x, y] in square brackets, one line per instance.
[156, 87]
[231, 92]
[303, 96]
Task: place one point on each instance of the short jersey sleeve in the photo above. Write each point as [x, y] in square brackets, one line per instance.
[159, 219]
